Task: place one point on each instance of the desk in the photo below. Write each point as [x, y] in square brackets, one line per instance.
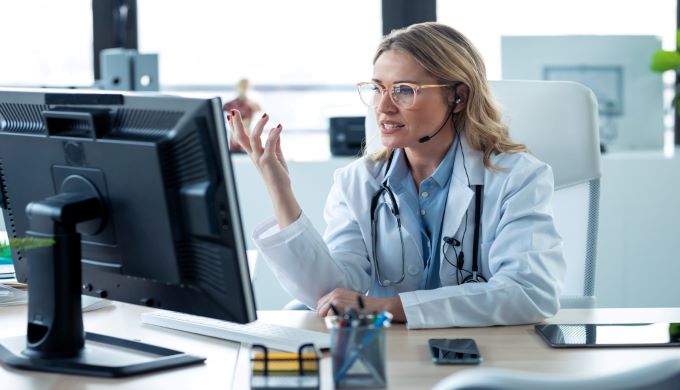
[408, 367]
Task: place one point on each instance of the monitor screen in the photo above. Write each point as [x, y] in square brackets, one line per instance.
[169, 235]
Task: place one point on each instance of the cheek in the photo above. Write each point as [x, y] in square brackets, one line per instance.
[421, 119]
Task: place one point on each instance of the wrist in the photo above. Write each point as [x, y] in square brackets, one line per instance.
[395, 307]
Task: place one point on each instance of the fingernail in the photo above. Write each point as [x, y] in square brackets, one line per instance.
[279, 126]
[228, 117]
[233, 112]
[265, 114]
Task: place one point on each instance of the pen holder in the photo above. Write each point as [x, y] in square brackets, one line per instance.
[358, 356]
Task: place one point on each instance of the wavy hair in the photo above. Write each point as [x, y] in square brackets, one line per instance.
[450, 58]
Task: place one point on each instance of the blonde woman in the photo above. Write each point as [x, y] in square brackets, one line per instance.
[450, 224]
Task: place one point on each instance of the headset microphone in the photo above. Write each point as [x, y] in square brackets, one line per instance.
[451, 241]
[426, 138]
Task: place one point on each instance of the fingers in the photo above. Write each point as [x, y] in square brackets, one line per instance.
[255, 140]
[323, 304]
[240, 134]
[279, 154]
[339, 298]
[273, 139]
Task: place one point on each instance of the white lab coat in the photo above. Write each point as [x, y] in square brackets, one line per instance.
[521, 252]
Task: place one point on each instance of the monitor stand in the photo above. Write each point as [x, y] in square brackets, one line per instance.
[55, 339]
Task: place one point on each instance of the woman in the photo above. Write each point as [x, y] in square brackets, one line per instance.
[450, 224]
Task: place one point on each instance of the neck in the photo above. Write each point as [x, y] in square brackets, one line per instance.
[423, 159]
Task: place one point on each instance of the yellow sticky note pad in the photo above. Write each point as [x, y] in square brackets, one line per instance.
[285, 362]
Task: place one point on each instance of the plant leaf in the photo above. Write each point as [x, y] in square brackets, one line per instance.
[663, 60]
[25, 243]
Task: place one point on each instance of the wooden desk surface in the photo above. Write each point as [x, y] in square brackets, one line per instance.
[409, 365]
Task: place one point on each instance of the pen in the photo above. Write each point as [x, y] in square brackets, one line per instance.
[361, 303]
[334, 310]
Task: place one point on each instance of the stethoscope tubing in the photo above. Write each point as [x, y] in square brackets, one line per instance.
[474, 277]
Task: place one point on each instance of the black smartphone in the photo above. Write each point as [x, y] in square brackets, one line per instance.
[454, 351]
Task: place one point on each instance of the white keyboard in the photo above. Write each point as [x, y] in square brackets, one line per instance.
[273, 336]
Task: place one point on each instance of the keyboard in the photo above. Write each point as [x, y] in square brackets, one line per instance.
[273, 336]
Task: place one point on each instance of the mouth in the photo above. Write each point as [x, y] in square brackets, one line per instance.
[390, 127]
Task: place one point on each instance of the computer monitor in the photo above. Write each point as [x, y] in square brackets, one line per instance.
[136, 193]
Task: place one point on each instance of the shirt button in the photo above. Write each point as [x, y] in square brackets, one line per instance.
[413, 270]
[423, 212]
[424, 194]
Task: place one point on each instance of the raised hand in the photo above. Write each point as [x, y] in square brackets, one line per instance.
[271, 164]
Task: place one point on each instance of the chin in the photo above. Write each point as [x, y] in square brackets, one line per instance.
[390, 141]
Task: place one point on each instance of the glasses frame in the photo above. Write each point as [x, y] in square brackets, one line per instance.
[416, 89]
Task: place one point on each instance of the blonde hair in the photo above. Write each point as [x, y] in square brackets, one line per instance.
[450, 57]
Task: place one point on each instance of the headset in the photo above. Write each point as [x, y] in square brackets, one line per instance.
[475, 275]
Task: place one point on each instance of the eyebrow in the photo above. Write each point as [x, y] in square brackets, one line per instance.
[397, 82]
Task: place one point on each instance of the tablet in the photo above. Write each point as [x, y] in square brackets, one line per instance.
[610, 335]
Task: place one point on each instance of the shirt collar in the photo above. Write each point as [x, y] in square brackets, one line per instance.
[399, 171]
[442, 175]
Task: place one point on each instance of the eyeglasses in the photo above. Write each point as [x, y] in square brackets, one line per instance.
[402, 94]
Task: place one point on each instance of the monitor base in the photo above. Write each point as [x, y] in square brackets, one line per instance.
[103, 356]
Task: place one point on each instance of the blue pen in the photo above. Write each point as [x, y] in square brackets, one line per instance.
[382, 320]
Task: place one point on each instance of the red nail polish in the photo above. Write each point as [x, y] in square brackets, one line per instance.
[279, 126]
[265, 114]
[233, 112]
[228, 117]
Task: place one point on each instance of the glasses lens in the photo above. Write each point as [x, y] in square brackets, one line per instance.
[403, 95]
[369, 94]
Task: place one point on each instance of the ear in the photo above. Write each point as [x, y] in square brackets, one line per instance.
[460, 94]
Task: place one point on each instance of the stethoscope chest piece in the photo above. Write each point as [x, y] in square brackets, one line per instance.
[413, 270]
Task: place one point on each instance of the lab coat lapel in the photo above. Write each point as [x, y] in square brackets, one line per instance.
[410, 226]
[460, 194]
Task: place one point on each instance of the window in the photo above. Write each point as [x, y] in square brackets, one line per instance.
[302, 57]
[46, 43]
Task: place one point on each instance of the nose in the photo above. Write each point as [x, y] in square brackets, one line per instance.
[385, 104]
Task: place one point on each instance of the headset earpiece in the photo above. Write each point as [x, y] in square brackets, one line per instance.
[457, 100]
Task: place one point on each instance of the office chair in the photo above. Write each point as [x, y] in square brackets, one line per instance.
[558, 121]
[658, 375]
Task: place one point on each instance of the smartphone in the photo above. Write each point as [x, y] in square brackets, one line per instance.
[454, 351]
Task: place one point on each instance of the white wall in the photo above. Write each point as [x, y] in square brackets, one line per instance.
[638, 261]
[639, 246]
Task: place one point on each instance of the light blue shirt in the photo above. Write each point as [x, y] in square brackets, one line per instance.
[428, 206]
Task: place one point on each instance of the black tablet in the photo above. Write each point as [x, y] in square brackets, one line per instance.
[610, 335]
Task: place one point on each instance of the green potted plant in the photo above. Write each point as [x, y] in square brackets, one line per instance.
[23, 243]
[665, 60]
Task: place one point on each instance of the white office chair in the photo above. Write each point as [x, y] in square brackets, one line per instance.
[558, 121]
[658, 375]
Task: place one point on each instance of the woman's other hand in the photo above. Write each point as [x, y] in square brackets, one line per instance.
[343, 299]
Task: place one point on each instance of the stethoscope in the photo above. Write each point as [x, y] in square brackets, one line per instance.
[474, 276]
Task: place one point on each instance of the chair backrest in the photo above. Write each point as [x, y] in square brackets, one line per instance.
[558, 121]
